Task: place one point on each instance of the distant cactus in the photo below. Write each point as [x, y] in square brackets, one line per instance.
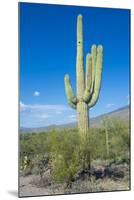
[106, 124]
[88, 87]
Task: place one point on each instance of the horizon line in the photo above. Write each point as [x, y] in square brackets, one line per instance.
[128, 105]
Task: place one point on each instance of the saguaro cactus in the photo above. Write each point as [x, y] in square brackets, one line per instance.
[88, 87]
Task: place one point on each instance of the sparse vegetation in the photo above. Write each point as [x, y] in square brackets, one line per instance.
[64, 158]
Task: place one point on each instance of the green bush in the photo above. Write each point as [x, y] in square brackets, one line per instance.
[65, 156]
[66, 153]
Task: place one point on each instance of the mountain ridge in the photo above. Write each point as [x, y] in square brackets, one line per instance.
[121, 113]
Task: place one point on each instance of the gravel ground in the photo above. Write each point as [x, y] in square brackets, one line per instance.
[32, 186]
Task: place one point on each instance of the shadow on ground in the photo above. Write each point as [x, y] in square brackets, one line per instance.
[13, 193]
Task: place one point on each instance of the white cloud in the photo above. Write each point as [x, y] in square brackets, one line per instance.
[22, 106]
[109, 105]
[42, 107]
[37, 115]
[45, 116]
[58, 112]
[36, 93]
[72, 117]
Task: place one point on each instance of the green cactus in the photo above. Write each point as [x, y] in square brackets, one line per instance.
[88, 87]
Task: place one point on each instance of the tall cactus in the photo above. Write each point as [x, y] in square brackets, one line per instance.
[88, 87]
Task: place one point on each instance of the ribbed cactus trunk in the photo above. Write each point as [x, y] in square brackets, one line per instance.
[88, 86]
[83, 117]
[82, 108]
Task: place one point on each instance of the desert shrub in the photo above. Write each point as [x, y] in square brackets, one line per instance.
[95, 146]
[66, 153]
[92, 148]
[41, 163]
[119, 139]
[65, 159]
[34, 147]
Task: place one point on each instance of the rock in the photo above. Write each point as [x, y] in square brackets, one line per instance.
[82, 175]
[98, 173]
[108, 172]
[113, 172]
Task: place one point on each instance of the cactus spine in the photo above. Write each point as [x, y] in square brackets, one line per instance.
[88, 87]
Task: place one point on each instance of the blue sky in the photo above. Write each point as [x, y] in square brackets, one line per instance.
[48, 52]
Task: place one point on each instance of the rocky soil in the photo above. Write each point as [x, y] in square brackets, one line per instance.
[113, 178]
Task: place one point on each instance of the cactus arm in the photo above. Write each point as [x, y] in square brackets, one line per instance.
[94, 55]
[98, 74]
[88, 71]
[79, 60]
[69, 92]
[72, 105]
[87, 95]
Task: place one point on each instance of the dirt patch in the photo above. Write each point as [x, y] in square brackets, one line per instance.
[108, 178]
